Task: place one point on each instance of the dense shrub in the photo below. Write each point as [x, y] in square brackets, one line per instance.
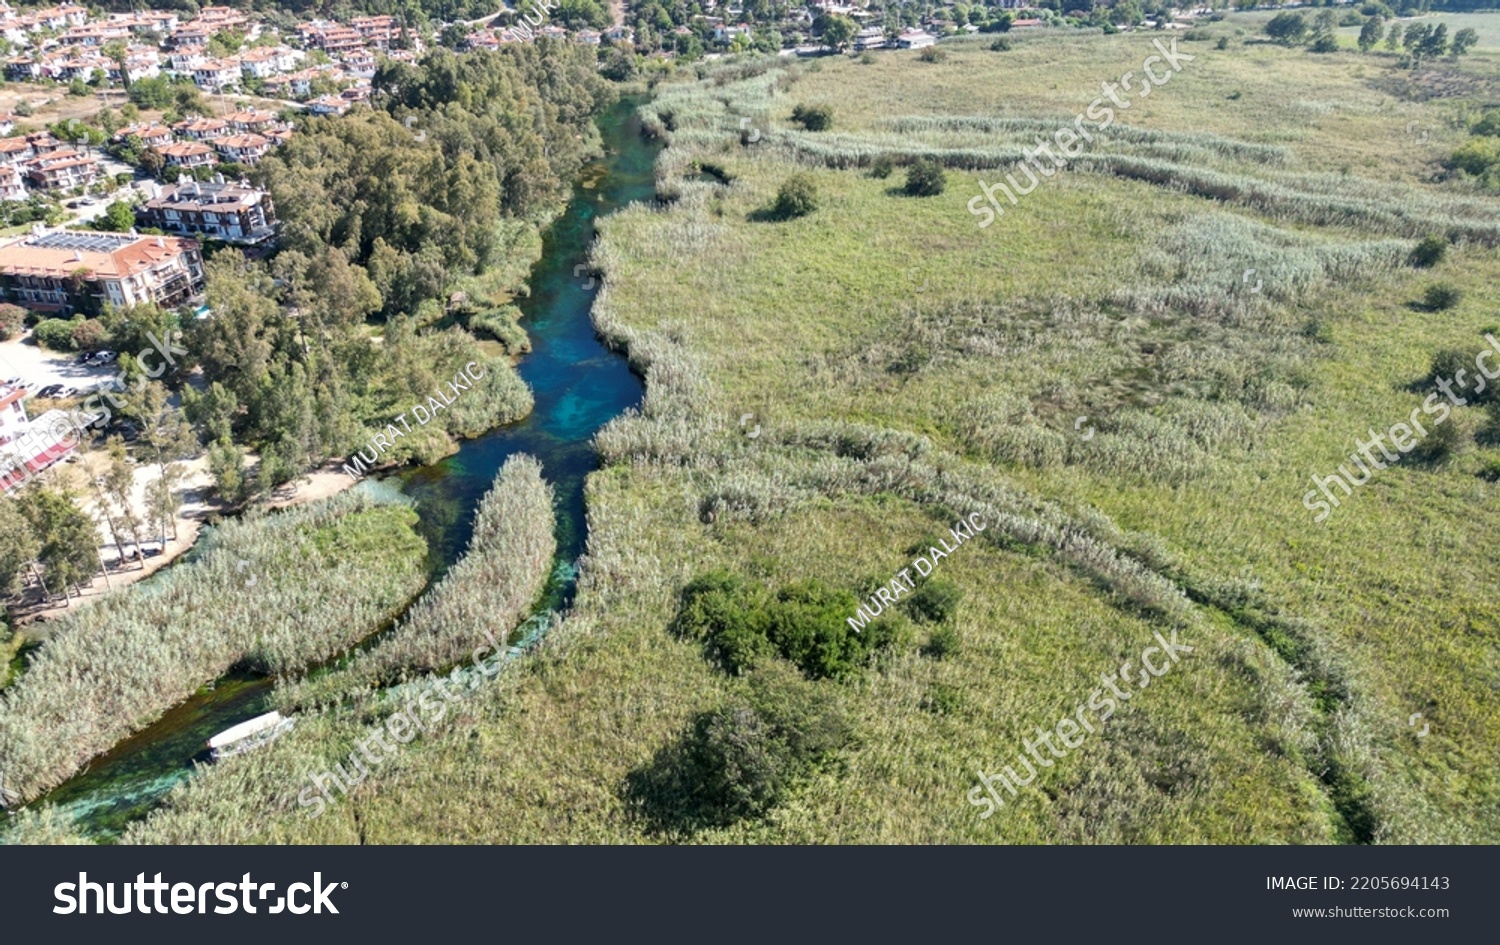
[807, 622]
[729, 615]
[797, 197]
[1001, 44]
[925, 178]
[1287, 28]
[932, 54]
[809, 626]
[56, 333]
[1429, 252]
[935, 601]
[89, 335]
[1439, 297]
[1447, 365]
[1476, 156]
[882, 166]
[813, 117]
[1447, 440]
[1488, 125]
[942, 643]
[739, 760]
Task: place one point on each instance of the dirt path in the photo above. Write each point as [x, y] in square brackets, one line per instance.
[196, 507]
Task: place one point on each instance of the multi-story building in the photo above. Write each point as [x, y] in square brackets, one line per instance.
[183, 59]
[12, 187]
[201, 129]
[235, 212]
[253, 121]
[68, 270]
[262, 62]
[242, 149]
[152, 136]
[16, 150]
[216, 75]
[329, 105]
[61, 169]
[189, 154]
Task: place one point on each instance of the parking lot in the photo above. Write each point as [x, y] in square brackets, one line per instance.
[39, 368]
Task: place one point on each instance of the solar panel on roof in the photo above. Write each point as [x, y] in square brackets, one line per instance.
[90, 242]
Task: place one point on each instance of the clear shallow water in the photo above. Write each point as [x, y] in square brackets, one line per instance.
[578, 384]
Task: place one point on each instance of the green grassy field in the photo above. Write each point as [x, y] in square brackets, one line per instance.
[906, 366]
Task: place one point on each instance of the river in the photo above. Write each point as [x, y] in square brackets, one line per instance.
[579, 385]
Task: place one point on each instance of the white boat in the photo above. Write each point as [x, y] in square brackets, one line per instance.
[250, 734]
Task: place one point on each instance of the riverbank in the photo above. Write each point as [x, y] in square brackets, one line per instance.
[579, 385]
[197, 508]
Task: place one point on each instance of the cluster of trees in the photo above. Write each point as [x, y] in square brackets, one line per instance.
[379, 222]
[1418, 42]
[44, 536]
[741, 759]
[1479, 157]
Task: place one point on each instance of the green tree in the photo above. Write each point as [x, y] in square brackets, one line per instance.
[18, 547]
[163, 502]
[925, 178]
[1325, 32]
[226, 462]
[797, 197]
[163, 427]
[1287, 28]
[740, 760]
[118, 217]
[116, 485]
[1463, 41]
[1394, 37]
[1369, 34]
[838, 31]
[69, 553]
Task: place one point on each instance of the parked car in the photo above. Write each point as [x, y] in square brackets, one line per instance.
[51, 390]
[107, 357]
[85, 357]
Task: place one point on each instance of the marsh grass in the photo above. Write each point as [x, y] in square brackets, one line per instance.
[480, 600]
[324, 576]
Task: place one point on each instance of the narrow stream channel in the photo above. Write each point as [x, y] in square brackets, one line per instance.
[579, 385]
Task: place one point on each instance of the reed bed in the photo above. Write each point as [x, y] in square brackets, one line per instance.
[479, 601]
[317, 579]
